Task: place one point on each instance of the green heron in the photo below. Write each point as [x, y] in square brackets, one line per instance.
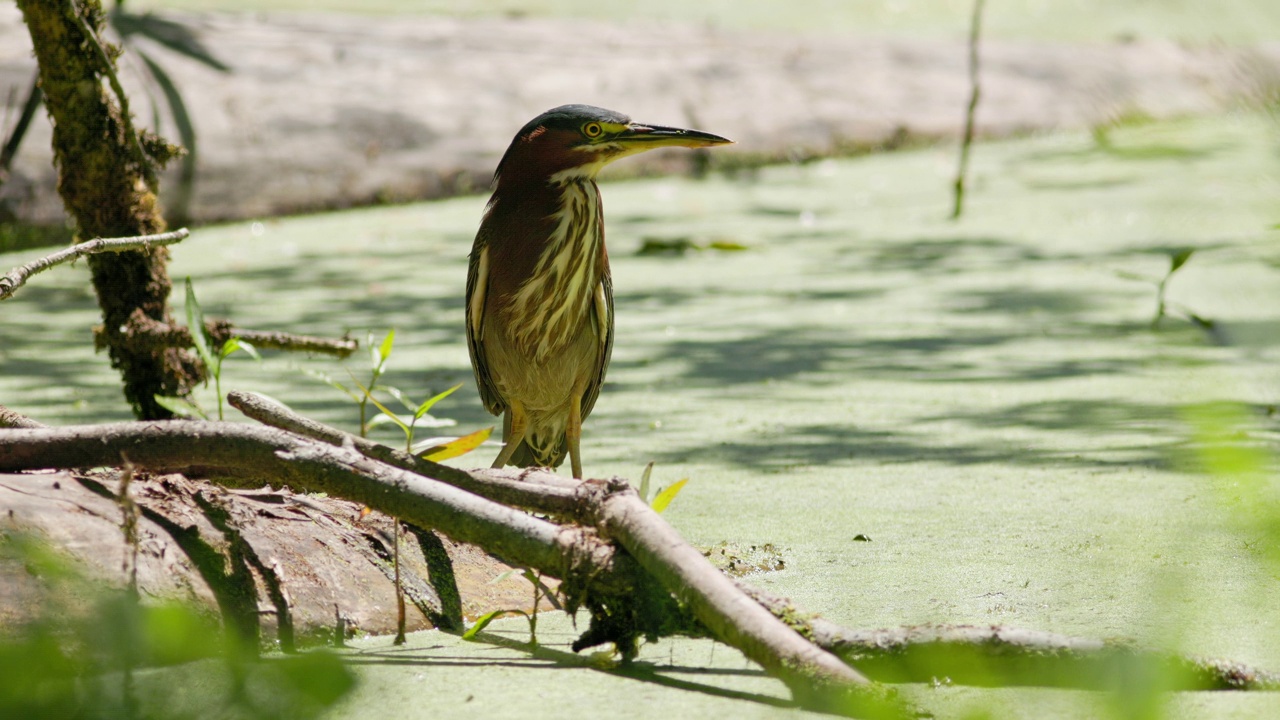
[539, 296]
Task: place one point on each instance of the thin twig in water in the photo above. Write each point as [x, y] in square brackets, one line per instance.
[975, 36]
[17, 277]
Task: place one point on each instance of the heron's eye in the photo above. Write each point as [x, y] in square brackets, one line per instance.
[592, 130]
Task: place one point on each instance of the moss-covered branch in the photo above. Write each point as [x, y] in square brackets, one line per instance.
[104, 168]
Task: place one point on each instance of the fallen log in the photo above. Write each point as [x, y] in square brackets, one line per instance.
[625, 601]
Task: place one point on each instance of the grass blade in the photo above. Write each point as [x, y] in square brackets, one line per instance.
[426, 405]
[644, 481]
[195, 323]
[483, 622]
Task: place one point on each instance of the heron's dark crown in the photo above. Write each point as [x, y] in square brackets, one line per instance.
[571, 117]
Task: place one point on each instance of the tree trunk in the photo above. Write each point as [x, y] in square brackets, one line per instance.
[106, 180]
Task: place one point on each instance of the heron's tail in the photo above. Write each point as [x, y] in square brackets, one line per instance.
[528, 456]
[544, 443]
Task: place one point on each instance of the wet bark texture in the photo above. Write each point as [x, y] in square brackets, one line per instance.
[279, 567]
[103, 180]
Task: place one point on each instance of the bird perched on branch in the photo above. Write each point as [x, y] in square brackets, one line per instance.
[539, 296]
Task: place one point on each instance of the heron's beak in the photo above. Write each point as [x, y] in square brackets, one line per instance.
[639, 137]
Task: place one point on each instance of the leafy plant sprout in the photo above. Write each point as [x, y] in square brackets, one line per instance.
[212, 360]
[540, 590]
[378, 356]
[408, 428]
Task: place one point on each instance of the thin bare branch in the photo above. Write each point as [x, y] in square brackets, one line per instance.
[18, 276]
[994, 655]
[533, 490]
[338, 347]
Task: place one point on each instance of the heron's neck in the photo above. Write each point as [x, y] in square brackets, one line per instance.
[553, 302]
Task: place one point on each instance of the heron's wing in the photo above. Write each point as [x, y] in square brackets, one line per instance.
[602, 317]
[477, 292]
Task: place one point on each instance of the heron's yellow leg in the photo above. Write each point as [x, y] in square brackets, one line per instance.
[515, 424]
[573, 435]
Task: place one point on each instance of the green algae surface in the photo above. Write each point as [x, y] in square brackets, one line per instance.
[930, 421]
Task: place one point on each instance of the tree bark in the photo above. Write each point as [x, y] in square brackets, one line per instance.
[106, 180]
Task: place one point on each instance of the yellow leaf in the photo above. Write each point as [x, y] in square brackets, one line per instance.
[461, 446]
[664, 498]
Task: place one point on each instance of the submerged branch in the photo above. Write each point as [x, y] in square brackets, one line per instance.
[999, 656]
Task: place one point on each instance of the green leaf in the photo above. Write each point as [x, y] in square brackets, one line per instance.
[382, 353]
[390, 415]
[454, 448]
[644, 481]
[228, 347]
[195, 323]
[318, 676]
[175, 36]
[179, 406]
[1179, 259]
[727, 245]
[664, 497]
[483, 621]
[235, 343]
[385, 419]
[249, 349]
[426, 405]
[396, 393]
[175, 634]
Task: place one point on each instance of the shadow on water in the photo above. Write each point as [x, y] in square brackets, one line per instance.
[784, 449]
[819, 356]
[550, 658]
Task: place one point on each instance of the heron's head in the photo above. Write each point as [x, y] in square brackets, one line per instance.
[576, 141]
